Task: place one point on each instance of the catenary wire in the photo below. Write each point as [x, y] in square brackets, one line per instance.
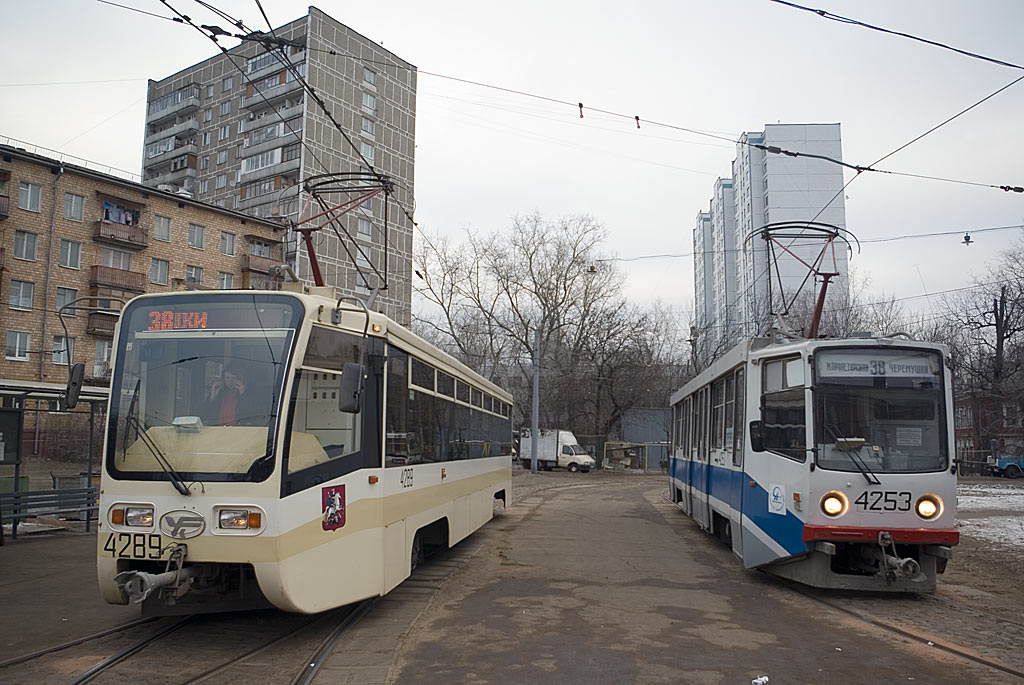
[825, 14]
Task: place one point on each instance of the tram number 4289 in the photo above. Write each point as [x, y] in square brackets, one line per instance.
[133, 545]
[887, 500]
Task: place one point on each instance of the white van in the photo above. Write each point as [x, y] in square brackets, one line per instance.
[555, 449]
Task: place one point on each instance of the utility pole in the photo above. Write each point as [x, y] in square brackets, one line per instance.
[535, 431]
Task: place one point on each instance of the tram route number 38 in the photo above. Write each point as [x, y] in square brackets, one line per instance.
[883, 500]
[134, 545]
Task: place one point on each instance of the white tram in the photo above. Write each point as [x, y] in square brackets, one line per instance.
[827, 462]
[285, 448]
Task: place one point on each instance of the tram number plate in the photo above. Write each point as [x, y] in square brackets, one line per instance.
[883, 500]
[133, 545]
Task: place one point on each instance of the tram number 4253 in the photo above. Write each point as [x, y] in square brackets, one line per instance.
[134, 545]
[883, 500]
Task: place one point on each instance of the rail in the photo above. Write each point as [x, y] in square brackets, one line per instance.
[15, 506]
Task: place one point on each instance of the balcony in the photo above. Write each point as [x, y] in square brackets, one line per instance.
[5, 207]
[120, 235]
[178, 177]
[101, 323]
[189, 125]
[258, 100]
[272, 170]
[117, 278]
[185, 106]
[180, 148]
[251, 262]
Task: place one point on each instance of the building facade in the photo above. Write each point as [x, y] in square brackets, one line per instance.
[747, 281]
[240, 131]
[68, 232]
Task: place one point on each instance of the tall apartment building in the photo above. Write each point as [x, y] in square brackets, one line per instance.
[769, 188]
[68, 232]
[239, 131]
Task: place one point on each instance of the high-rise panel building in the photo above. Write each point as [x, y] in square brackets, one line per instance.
[240, 130]
[768, 188]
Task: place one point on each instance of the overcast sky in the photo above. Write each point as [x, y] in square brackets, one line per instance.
[723, 66]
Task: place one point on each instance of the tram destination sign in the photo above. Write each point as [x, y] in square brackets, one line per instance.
[876, 364]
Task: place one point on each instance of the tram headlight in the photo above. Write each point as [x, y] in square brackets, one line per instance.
[834, 504]
[140, 517]
[239, 519]
[928, 506]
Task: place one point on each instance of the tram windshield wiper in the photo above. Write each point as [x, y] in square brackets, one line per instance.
[140, 431]
[851, 448]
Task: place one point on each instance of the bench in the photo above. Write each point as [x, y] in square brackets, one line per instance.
[15, 506]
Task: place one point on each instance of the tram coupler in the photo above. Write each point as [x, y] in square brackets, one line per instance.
[139, 585]
[893, 566]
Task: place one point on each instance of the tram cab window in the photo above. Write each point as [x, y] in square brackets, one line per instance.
[322, 435]
[783, 406]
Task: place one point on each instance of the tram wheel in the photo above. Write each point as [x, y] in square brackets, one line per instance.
[417, 553]
[1012, 471]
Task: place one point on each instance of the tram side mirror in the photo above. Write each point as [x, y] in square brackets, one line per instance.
[75, 375]
[756, 436]
[351, 389]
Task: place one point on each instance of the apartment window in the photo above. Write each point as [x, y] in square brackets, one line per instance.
[21, 294]
[369, 126]
[17, 345]
[290, 152]
[66, 296]
[225, 108]
[196, 236]
[222, 181]
[259, 248]
[227, 243]
[209, 91]
[370, 103]
[101, 359]
[74, 207]
[158, 271]
[116, 259]
[206, 138]
[226, 85]
[63, 350]
[194, 274]
[162, 228]
[225, 132]
[266, 59]
[208, 116]
[222, 157]
[25, 245]
[204, 162]
[204, 186]
[367, 151]
[364, 229]
[225, 281]
[369, 76]
[30, 196]
[70, 253]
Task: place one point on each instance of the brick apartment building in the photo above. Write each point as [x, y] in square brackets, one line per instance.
[66, 232]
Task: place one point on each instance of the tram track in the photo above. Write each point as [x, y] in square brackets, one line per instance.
[909, 631]
[74, 643]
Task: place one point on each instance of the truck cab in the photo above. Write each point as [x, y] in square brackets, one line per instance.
[555, 449]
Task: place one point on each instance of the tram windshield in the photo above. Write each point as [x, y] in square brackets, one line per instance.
[197, 386]
[880, 409]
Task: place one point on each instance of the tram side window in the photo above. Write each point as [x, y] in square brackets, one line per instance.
[717, 413]
[783, 403]
[737, 436]
[730, 402]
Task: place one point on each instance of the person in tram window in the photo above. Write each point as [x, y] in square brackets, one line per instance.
[232, 401]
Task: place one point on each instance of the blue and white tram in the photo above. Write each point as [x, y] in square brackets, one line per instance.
[827, 462]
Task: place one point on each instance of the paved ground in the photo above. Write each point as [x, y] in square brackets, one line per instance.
[587, 578]
[611, 584]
